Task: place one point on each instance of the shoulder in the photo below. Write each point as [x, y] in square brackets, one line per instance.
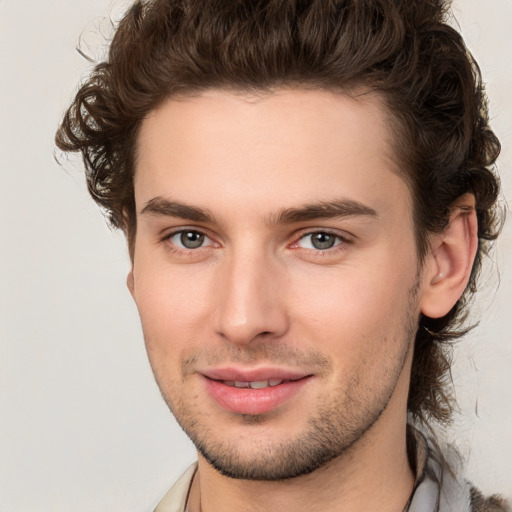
[494, 503]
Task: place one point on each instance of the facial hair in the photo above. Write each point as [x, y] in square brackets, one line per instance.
[337, 423]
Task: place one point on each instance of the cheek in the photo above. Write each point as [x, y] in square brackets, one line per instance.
[172, 305]
[350, 310]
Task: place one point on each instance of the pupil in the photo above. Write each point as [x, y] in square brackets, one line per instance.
[192, 239]
[323, 241]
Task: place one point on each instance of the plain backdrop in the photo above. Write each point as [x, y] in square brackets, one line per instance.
[82, 425]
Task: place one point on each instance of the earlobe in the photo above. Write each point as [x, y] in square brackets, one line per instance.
[130, 282]
[450, 260]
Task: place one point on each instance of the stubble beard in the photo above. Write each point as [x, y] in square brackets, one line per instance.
[336, 426]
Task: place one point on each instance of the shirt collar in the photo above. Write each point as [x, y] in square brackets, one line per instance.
[436, 487]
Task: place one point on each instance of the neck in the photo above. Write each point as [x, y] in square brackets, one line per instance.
[374, 474]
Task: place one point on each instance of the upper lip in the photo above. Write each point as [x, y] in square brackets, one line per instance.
[253, 374]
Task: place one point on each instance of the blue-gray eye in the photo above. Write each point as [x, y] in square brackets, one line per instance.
[192, 239]
[320, 241]
[188, 239]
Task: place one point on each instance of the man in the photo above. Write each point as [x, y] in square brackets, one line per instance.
[307, 191]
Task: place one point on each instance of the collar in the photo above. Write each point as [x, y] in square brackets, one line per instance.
[436, 488]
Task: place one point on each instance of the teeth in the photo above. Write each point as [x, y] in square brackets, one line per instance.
[257, 384]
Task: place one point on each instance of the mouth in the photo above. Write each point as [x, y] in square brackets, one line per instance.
[269, 376]
[256, 384]
[256, 392]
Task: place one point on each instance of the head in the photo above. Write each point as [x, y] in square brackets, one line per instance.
[400, 57]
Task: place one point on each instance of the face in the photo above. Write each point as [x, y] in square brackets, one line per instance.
[276, 275]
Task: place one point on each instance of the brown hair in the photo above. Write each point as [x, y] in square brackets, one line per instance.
[403, 49]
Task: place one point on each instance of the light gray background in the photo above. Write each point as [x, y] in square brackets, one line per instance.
[82, 425]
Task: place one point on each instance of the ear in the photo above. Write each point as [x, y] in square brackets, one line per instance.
[447, 267]
[130, 282]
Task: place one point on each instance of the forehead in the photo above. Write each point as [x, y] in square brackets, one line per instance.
[274, 149]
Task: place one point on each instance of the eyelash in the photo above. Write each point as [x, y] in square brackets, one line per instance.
[184, 250]
[341, 242]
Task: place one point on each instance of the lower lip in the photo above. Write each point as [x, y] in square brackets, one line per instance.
[253, 401]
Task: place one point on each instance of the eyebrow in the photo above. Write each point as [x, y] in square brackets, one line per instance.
[160, 206]
[323, 210]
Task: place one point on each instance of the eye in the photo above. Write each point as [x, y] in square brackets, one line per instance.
[320, 241]
[189, 239]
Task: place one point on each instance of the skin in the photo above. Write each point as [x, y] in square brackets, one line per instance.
[256, 293]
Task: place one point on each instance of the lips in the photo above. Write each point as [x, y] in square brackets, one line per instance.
[253, 391]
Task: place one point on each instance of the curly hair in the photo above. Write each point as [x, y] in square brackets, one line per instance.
[404, 50]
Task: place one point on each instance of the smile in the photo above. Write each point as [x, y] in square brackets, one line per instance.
[254, 397]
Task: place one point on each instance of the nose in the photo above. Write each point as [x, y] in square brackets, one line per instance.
[251, 300]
